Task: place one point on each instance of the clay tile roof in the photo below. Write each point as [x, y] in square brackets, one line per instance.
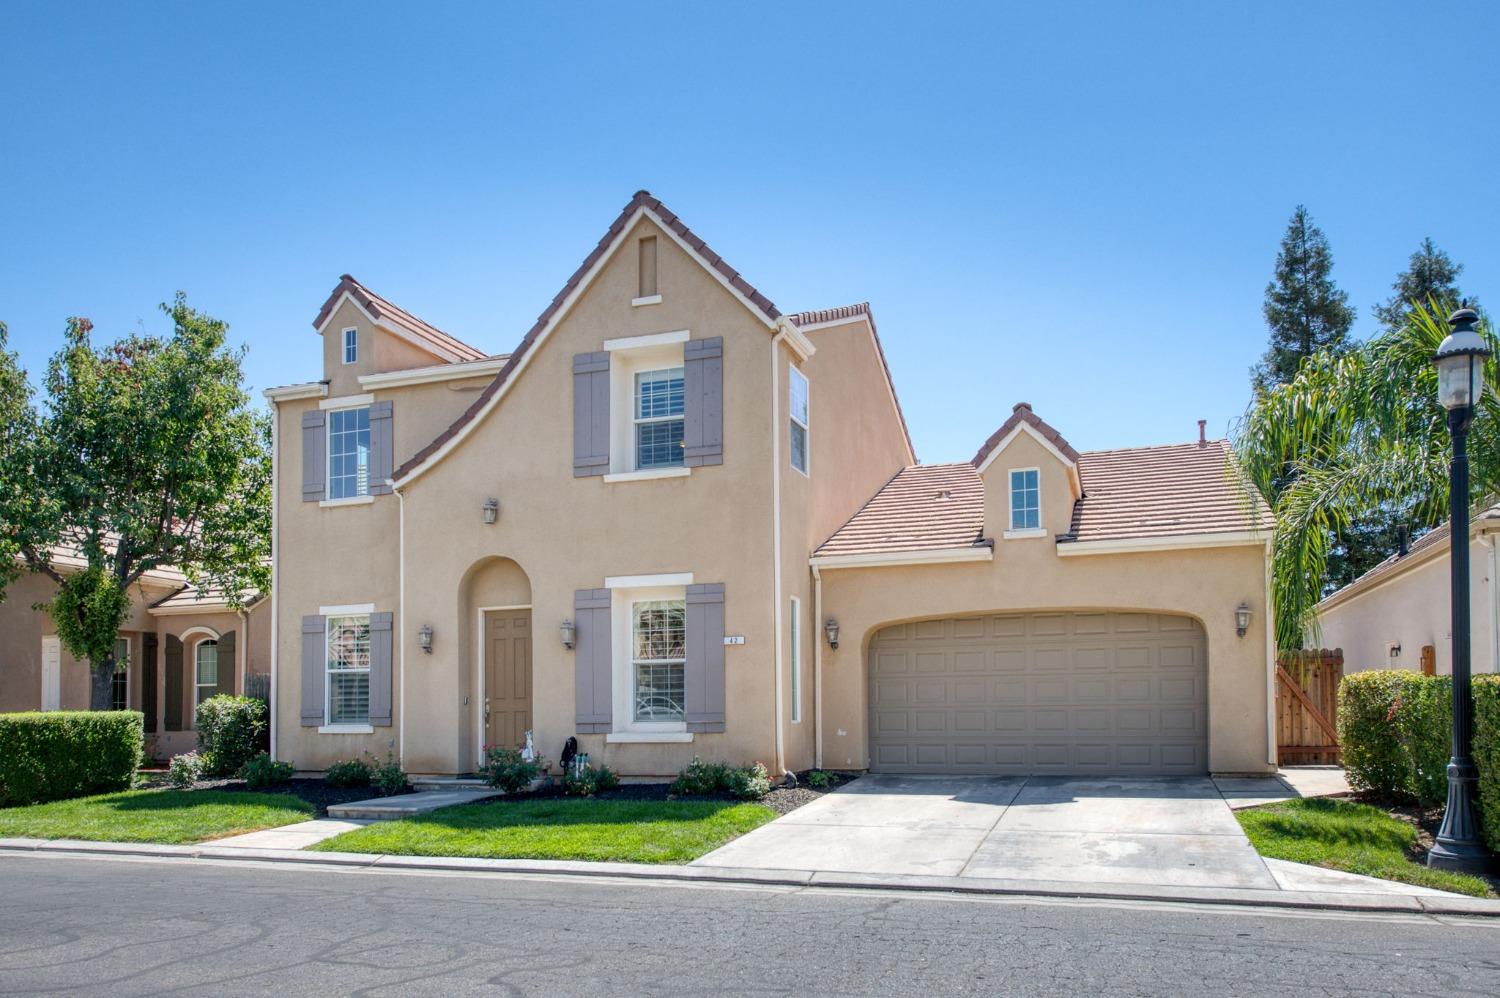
[1021, 413]
[210, 599]
[849, 312]
[641, 199]
[923, 508]
[1397, 563]
[1164, 491]
[387, 311]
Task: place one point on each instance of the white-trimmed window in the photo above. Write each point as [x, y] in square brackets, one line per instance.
[348, 452]
[205, 670]
[796, 633]
[119, 683]
[351, 345]
[797, 413]
[658, 660]
[658, 414]
[348, 669]
[1025, 499]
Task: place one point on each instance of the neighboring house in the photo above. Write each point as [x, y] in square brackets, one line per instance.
[1392, 615]
[177, 646]
[639, 527]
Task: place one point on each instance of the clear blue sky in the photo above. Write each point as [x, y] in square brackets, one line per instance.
[1078, 206]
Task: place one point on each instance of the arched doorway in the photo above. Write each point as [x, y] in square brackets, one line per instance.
[496, 596]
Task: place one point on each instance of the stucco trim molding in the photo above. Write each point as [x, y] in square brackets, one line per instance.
[881, 559]
[1129, 545]
[291, 393]
[645, 581]
[428, 375]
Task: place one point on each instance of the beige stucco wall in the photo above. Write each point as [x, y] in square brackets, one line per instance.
[1412, 609]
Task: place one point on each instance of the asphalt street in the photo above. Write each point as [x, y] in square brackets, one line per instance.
[134, 927]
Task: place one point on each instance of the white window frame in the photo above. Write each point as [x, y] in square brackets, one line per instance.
[122, 667]
[330, 614]
[1013, 532]
[794, 377]
[351, 345]
[630, 356]
[365, 402]
[795, 629]
[622, 625]
[637, 420]
[198, 684]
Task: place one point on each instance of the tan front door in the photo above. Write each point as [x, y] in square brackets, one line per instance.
[507, 677]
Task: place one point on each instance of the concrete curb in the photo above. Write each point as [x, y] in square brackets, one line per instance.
[1243, 897]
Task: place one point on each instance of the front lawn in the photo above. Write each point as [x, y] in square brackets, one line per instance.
[168, 816]
[626, 831]
[1355, 838]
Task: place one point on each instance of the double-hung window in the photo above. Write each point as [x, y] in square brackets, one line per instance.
[348, 669]
[205, 670]
[797, 410]
[119, 685]
[349, 453]
[658, 652]
[351, 345]
[1025, 499]
[658, 413]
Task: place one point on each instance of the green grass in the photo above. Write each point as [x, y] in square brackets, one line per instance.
[1343, 835]
[169, 816]
[624, 831]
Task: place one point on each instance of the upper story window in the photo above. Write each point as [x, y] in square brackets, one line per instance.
[1025, 499]
[119, 686]
[797, 410]
[351, 345]
[206, 670]
[349, 453]
[348, 669]
[658, 418]
[658, 643]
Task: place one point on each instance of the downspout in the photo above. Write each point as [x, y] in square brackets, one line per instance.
[401, 610]
[1494, 601]
[275, 566]
[243, 647]
[1272, 756]
[817, 622]
[776, 536]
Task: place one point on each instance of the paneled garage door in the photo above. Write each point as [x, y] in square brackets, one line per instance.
[1067, 693]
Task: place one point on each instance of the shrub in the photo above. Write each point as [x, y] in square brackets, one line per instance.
[749, 782]
[821, 779]
[590, 780]
[1487, 756]
[263, 771]
[185, 770]
[229, 732]
[60, 754]
[504, 768]
[1394, 728]
[388, 777]
[349, 773]
[701, 779]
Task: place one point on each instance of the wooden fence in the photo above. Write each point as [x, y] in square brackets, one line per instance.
[1307, 703]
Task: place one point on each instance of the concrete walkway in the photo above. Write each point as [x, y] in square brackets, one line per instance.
[1135, 832]
[295, 836]
[408, 805]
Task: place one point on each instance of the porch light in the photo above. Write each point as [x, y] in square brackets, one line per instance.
[831, 628]
[424, 638]
[491, 510]
[1460, 362]
[1242, 618]
[568, 632]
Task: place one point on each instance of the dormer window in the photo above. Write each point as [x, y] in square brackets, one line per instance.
[659, 397]
[1025, 499]
[351, 345]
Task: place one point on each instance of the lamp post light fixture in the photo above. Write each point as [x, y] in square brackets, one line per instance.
[831, 628]
[1460, 369]
[491, 510]
[1241, 619]
[424, 638]
[569, 633]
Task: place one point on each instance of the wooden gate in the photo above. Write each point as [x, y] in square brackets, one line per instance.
[1307, 704]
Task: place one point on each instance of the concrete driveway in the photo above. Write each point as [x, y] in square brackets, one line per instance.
[1168, 831]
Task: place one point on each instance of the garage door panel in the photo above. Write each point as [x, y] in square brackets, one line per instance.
[1082, 693]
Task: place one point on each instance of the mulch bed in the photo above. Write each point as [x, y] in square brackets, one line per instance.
[781, 799]
[316, 792]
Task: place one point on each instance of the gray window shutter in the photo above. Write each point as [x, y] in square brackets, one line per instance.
[382, 448]
[173, 719]
[226, 665]
[380, 669]
[591, 662]
[314, 456]
[703, 680]
[314, 662]
[148, 681]
[590, 414]
[703, 401]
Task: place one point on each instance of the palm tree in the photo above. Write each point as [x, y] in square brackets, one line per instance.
[1353, 438]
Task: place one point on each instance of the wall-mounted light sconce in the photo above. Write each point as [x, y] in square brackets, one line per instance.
[568, 632]
[1242, 619]
[491, 510]
[424, 638]
[831, 628]
[1395, 651]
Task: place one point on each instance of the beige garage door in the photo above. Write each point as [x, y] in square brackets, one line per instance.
[1066, 693]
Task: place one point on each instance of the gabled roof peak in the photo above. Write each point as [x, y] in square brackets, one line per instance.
[392, 316]
[1022, 414]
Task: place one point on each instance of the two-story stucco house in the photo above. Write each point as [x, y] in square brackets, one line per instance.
[675, 521]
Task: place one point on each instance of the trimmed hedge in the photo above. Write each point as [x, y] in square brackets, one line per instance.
[58, 754]
[1395, 728]
[229, 732]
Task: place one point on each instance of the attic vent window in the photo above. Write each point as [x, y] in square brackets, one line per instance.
[647, 292]
[351, 345]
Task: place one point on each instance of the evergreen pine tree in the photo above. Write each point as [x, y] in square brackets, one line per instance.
[1304, 309]
[1431, 274]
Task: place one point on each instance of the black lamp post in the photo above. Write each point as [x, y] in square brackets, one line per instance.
[1460, 367]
